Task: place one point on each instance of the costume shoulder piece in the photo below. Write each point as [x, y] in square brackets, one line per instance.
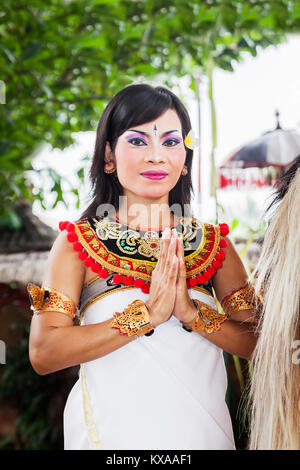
[109, 247]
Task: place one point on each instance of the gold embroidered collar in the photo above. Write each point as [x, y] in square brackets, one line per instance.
[132, 252]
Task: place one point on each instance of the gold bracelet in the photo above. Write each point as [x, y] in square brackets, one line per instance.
[48, 299]
[243, 298]
[135, 320]
[206, 319]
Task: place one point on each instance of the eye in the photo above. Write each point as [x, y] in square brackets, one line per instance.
[173, 141]
[138, 140]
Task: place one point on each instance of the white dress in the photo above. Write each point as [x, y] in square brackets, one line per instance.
[164, 391]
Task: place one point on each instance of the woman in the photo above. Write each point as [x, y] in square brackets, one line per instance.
[150, 340]
[275, 387]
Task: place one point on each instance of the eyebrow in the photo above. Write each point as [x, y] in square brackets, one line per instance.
[145, 133]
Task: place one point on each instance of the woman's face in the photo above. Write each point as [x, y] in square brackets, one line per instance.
[154, 146]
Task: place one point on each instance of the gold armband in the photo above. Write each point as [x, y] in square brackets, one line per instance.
[207, 319]
[243, 298]
[48, 299]
[135, 320]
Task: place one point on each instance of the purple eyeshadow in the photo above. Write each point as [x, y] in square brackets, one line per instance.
[131, 136]
[144, 139]
[173, 137]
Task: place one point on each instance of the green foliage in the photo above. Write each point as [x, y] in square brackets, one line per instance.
[61, 62]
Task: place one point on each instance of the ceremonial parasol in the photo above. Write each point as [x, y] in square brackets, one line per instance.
[260, 162]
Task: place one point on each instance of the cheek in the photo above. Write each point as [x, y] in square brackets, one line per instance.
[177, 160]
[126, 158]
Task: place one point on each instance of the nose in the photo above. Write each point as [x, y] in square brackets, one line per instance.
[154, 156]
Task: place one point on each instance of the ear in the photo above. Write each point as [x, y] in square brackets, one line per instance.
[108, 153]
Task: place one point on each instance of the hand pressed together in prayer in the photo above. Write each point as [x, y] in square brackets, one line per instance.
[184, 308]
[168, 293]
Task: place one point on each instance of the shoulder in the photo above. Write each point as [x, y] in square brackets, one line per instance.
[71, 234]
[232, 273]
[84, 238]
[64, 271]
[214, 259]
[205, 249]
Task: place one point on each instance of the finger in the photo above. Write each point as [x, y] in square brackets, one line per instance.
[177, 245]
[167, 261]
[182, 268]
[171, 252]
[180, 249]
[179, 273]
[164, 243]
[174, 269]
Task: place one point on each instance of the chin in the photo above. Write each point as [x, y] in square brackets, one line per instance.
[152, 193]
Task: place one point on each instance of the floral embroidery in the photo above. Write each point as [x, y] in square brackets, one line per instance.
[109, 246]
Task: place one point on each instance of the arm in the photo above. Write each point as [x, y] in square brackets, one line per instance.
[237, 334]
[55, 343]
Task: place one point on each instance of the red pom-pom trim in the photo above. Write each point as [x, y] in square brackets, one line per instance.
[224, 229]
[95, 267]
[211, 271]
[223, 243]
[201, 279]
[128, 280]
[82, 255]
[103, 273]
[70, 227]
[220, 256]
[72, 237]
[77, 246]
[193, 282]
[117, 279]
[216, 264]
[146, 288]
[88, 261]
[62, 225]
[139, 283]
[207, 275]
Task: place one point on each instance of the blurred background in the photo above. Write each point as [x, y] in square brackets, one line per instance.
[236, 67]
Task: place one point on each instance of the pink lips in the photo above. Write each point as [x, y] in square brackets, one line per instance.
[154, 175]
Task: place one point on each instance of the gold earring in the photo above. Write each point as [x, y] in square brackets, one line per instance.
[109, 167]
[184, 171]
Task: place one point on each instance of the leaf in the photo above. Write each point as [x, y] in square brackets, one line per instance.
[145, 69]
[94, 42]
[46, 89]
[234, 224]
[5, 146]
[82, 53]
[80, 174]
[31, 50]
[14, 220]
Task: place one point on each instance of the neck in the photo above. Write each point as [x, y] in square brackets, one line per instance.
[145, 213]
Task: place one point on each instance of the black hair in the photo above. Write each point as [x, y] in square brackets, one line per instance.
[132, 106]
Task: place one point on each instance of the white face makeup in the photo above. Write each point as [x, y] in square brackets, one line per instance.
[156, 147]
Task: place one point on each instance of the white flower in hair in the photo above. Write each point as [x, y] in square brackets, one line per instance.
[191, 141]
